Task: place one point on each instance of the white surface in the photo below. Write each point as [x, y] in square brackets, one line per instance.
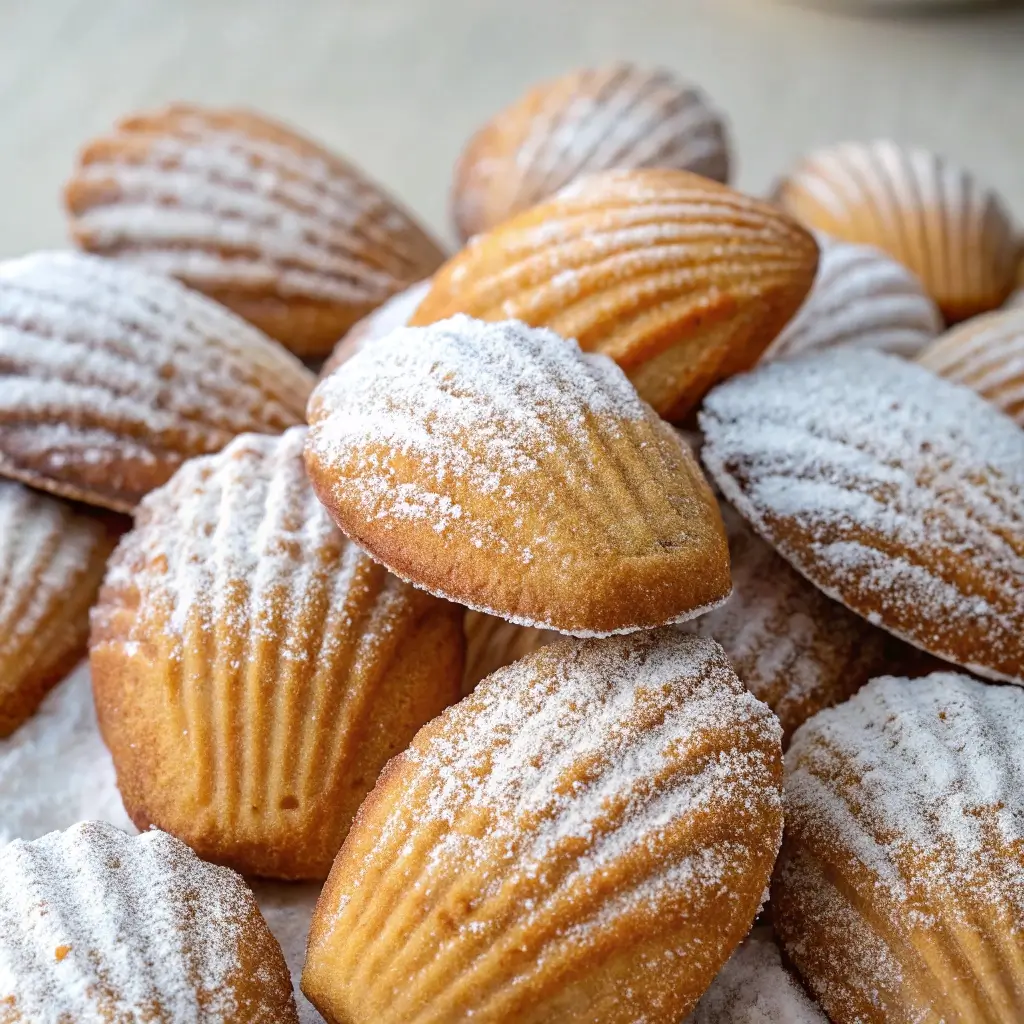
[398, 85]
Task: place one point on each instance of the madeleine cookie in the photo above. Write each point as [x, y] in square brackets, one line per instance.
[52, 558]
[95, 925]
[754, 988]
[376, 325]
[110, 378]
[987, 354]
[260, 218]
[681, 281]
[793, 647]
[595, 119]
[254, 669]
[587, 836]
[899, 894]
[892, 490]
[930, 215]
[498, 466]
[493, 643]
[860, 297]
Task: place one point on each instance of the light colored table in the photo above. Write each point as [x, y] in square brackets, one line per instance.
[397, 85]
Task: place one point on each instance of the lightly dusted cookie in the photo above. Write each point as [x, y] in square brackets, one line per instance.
[899, 894]
[52, 558]
[288, 235]
[680, 280]
[493, 643]
[595, 119]
[254, 669]
[500, 467]
[95, 925]
[894, 491]
[587, 836]
[111, 377]
[955, 234]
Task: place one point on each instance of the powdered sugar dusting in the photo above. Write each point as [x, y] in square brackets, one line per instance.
[892, 490]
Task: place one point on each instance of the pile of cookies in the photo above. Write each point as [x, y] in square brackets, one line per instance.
[464, 630]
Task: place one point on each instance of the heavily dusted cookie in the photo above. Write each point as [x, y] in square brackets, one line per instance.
[52, 558]
[498, 466]
[111, 377]
[860, 297]
[493, 643]
[595, 119]
[934, 217]
[794, 648]
[587, 836]
[899, 893]
[95, 925]
[376, 325]
[894, 491]
[288, 235]
[987, 354]
[680, 280]
[254, 669]
[754, 988]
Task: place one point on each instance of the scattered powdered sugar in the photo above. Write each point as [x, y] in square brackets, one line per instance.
[861, 297]
[754, 988]
[891, 489]
[96, 924]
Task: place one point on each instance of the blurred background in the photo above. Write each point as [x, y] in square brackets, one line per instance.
[398, 85]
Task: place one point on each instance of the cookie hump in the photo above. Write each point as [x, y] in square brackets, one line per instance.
[585, 837]
[253, 669]
[930, 215]
[595, 119]
[288, 235]
[498, 466]
[111, 377]
[95, 925]
[680, 280]
[899, 894]
[895, 492]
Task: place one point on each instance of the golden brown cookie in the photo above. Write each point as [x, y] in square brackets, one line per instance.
[898, 894]
[930, 215]
[586, 837]
[288, 235]
[498, 466]
[892, 490]
[595, 119]
[253, 669]
[111, 377]
[493, 643]
[987, 354]
[376, 325]
[52, 558]
[860, 297]
[792, 647]
[680, 280]
[97, 926]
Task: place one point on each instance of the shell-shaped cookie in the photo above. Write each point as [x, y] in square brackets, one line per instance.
[111, 377]
[987, 354]
[929, 214]
[586, 836]
[595, 119]
[95, 925]
[793, 647]
[680, 280]
[754, 988]
[899, 894]
[253, 669]
[493, 643]
[498, 466]
[860, 297]
[892, 490]
[289, 236]
[52, 558]
[376, 325]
